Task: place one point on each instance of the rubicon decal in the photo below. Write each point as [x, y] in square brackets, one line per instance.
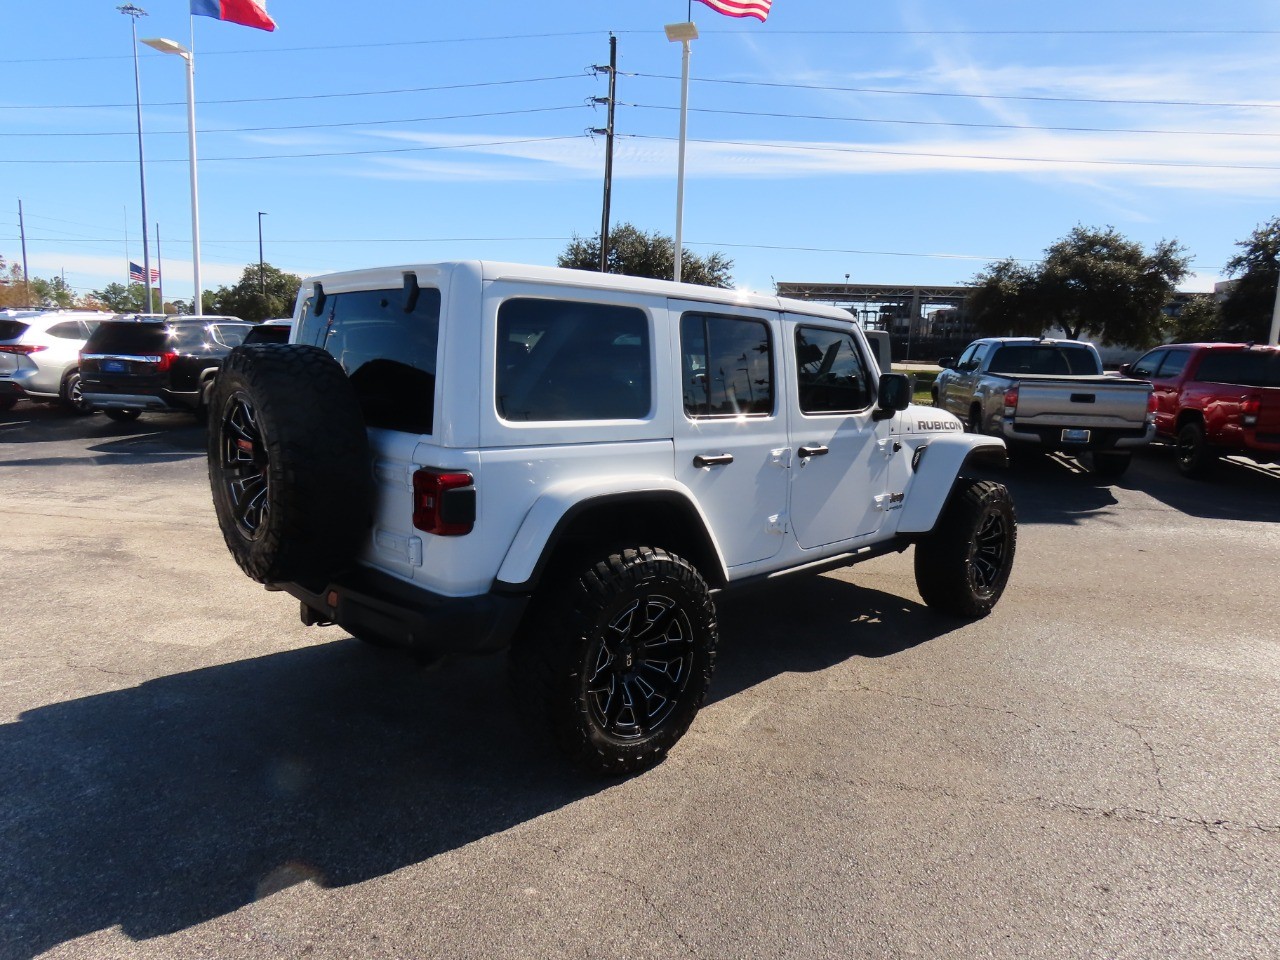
[927, 425]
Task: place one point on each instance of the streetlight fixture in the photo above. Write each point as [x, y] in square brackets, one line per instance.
[262, 275]
[681, 33]
[172, 46]
[133, 13]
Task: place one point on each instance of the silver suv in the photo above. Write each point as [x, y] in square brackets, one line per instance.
[457, 457]
[40, 356]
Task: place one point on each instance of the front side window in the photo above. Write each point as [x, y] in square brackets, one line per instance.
[564, 360]
[387, 345]
[832, 377]
[966, 359]
[726, 366]
[1174, 363]
[1148, 365]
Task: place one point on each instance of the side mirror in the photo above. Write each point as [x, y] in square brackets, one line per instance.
[894, 394]
[947, 363]
[1126, 369]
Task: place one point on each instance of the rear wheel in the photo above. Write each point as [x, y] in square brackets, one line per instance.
[1111, 464]
[963, 566]
[123, 416]
[1195, 457]
[72, 397]
[7, 403]
[617, 661]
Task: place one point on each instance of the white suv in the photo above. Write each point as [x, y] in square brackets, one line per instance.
[460, 456]
[40, 356]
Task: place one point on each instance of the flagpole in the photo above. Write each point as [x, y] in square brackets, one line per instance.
[683, 32]
[197, 298]
[133, 13]
[159, 269]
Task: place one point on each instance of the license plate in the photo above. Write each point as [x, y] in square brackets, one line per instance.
[1075, 436]
[114, 366]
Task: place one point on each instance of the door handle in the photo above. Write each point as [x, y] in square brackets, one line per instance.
[712, 459]
[815, 451]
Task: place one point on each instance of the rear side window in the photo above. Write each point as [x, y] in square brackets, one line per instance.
[128, 337]
[1252, 368]
[229, 334]
[1043, 359]
[563, 360]
[726, 366]
[388, 351]
[832, 375]
[67, 330]
[11, 329]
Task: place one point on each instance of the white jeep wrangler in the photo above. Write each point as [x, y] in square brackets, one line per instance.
[464, 456]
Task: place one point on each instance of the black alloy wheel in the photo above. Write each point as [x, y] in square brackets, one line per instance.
[245, 467]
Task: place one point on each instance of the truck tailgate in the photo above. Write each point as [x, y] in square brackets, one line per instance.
[1093, 402]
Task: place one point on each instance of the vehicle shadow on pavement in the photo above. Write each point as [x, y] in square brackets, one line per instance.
[160, 806]
[1236, 489]
[158, 440]
[1051, 489]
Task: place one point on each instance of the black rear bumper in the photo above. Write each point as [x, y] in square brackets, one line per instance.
[378, 607]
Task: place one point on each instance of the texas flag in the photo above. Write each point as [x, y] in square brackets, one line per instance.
[249, 13]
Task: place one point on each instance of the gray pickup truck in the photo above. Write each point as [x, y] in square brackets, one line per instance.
[1047, 394]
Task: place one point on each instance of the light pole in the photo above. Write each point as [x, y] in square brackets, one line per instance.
[682, 32]
[133, 13]
[172, 46]
[262, 276]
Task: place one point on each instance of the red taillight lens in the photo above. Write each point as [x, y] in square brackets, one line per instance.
[26, 349]
[444, 503]
[1152, 403]
[166, 360]
[1010, 401]
[1249, 412]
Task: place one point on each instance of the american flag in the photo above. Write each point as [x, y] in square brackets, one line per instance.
[741, 8]
[135, 273]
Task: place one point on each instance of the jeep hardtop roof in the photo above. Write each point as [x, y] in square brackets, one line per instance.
[489, 270]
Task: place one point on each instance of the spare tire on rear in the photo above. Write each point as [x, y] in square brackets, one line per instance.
[289, 463]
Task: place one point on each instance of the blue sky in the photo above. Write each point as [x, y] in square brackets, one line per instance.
[906, 143]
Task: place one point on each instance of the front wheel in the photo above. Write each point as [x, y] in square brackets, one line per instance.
[618, 660]
[963, 566]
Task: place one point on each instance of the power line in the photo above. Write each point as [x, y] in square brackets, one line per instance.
[757, 36]
[950, 123]
[962, 96]
[307, 96]
[329, 153]
[309, 126]
[963, 156]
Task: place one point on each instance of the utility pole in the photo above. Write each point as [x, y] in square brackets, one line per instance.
[262, 275]
[607, 132]
[26, 277]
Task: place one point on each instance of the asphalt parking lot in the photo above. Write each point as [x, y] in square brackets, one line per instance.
[1092, 771]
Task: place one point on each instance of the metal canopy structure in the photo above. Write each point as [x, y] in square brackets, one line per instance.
[883, 305]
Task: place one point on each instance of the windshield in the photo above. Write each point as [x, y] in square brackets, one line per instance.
[1044, 358]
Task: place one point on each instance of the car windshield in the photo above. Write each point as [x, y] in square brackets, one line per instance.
[1043, 358]
[1251, 368]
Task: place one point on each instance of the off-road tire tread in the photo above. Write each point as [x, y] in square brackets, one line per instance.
[545, 659]
[320, 473]
[941, 558]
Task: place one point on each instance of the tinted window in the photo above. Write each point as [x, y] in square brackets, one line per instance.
[559, 360]
[966, 358]
[127, 337]
[1252, 368]
[67, 330]
[229, 334]
[726, 366]
[1148, 365]
[11, 329]
[388, 352]
[1043, 358]
[832, 375]
[268, 333]
[1174, 363]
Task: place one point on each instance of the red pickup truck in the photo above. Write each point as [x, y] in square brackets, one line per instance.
[1214, 398]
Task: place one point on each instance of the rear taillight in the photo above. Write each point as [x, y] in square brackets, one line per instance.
[1249, 412]
[166, 360]
[444, 502]
[1152, 403]
[1011, 401]
[26, 349]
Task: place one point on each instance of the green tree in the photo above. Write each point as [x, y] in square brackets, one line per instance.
[636, 253]
[255, 297]
[12, 291]
[120, 298]
[1093, 282]
[53, 293]
[1198, 321]
[1246, 313]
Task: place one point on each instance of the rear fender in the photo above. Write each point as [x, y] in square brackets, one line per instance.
[943, 459]
[553, 516]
